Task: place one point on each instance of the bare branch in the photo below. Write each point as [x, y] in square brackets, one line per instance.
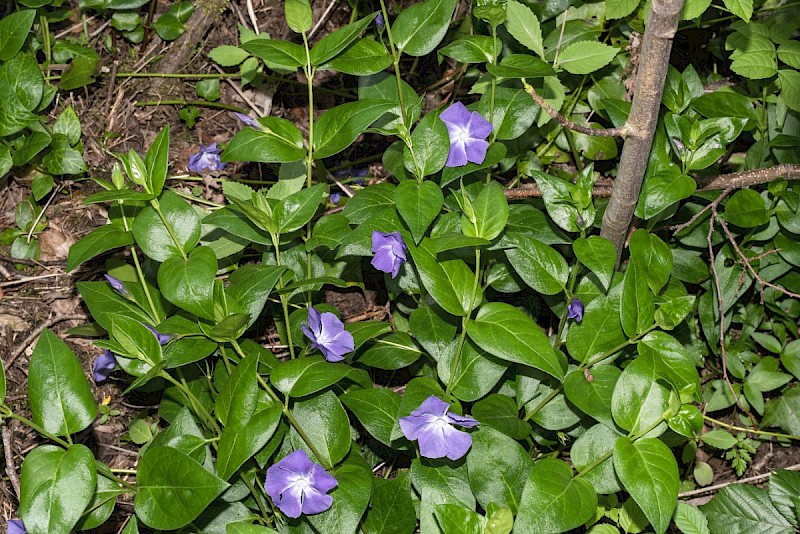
[739, 180]
[533, 191]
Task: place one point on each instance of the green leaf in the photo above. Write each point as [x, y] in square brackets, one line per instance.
[430, 143]
[334, 43]
[376, 409]
[470, 49]
[102, 505]
[789, 53]
[790, 88]
[598, 255]
[489, 213]
[13, 31]
[744, 508]
[653, 258]
[639, 401]
[671, 361]
[172, 489]
[276, 53]
[585, 57]
[690, 520]
[96, 242]
[227, 55]
[157, 162]
[747, 209]
[153, 237]
[599, 333]
[495, 153]
[56, 486]
[135, 340]
[363, 58]
[24, 78]
[592, 391]
[297, 209]
[236, 401]
[247, 528]
[420, 27]
[68, 125]
[637, 308]
[350, 499]
[391, 510]
[649, 472]
[741, 8]
[596, 445]
[509, 334]
[441, 484]
[617, 9]
[189, 283]
[168, 27]
[432, 330]
[501, 413]
[299, 16]
[338, 127]
[784, 487]
[395, 351]
[301, 377]
[521, 66]
[539, 265]
[105, 304]
[661, 190]
[369, 200]
[470, 375]
[62, 158]
[325, 422]
[553, 500]
[434, 277]
[238, 444]
[59, 395]
[784, 412]
[498, 468]
[277, 141]
[524, 26]
[418, 203]
[457, 518]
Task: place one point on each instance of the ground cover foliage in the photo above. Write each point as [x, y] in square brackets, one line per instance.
[544, 365]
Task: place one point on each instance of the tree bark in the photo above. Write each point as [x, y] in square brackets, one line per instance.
[662, 23]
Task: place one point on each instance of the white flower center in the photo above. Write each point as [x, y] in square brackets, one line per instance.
[301, 483]
[461, 135]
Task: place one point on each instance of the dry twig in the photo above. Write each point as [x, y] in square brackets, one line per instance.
[11, 468]
[36, 332]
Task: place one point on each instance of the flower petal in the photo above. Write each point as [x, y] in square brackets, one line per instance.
[458, 443]
[433, 405]
[457, 156]
[103, 366]
[475, 150]
[479, 128]
[461, 420]
[456, 114]
[315, 502]
[315, 321]
[321, 479]
[15, 526]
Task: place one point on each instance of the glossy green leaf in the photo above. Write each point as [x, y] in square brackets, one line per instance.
[299, 16]
[592, 390]
[236, 401]
[59, 395]
[637, 308]
[744, 508]
[784, 412]
[250, 286]
[539, 265]
[276, 53]
[653, 257]
[395, 351]
[639, 401]
[432, 330]
[443, 484]
[102, 505]
[338, 127]
[498, 468]
[325, 422]
[489, 213]
[470, 49]
[501, 413]
[189, 283]
[376, 409]
[96, 242]
[747, 209]
[157, 162]
[277, 141]
[524, 26]
[350, 499]
[741, 8]
[553, 500]
[470, 375]
[509, 334]
[690, 520]
[296, 210]
[598, 255]
[153, 237]
[304, 376]
[670, 360]
[420, 27]
[105, 304]
[617, 9]
[238, 444]
[14, 30]
[596, 445]
[429, 147]
[56, 486]
[334, 43]
[363, 58]
[418, 203]
[648, 471]
[135, 340]
[784, 487]
[585, 57]
[172, 489]
[391, 510]
[435, 278]
[520, 66]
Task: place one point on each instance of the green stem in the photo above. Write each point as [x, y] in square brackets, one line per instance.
[463, 336]
[139, 272]
[608, 455]
[102, 468]
[256, 497]
[309, 70]
[568, 294]
[550, 396]
[211, 423]
[168, 226]
[201, 103]
[284, 298]
[750, 430]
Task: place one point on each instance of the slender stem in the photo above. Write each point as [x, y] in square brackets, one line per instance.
[139, 272]
[254, 493]
[211, 423]
[309, 70]
[550, 396]
[750, 430]
[395, 60]
[462, 338]
[573, 277]
[494, 81]
[201, 103]
[284, 299]
[168, 226]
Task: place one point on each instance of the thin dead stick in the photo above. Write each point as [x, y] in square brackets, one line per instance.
[533, 191]
[566, 123]
[11, 468]
[322, 19]
[748, 480]
[35, 334]
[252, 14]
[680, 227]
[29, 279]
[739, 180]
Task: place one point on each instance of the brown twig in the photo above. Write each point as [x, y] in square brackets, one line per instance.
[566, 123]
[748, 480]
[533, 191]
[36, 332]
[680, 227]
[738, 180]
[31, 263]
[11, 468]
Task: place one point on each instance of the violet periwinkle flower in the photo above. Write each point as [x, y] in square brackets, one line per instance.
[390, 252]
[248, 120]
[379, 21]
[431, 425]
[163, 339]
[207, 159]
[104, 365]
[116, 285]
[299, 486]
[335, 197]
[575, 309]
[15, 526]
[468, 133]
[327, 334]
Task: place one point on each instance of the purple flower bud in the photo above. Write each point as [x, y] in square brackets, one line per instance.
[335, 197]
[163, 339]
[575, 310]
[15, 526]
[299, 486]
[390, 252]
[579, 220]
[327, 334]
[104, 365]
[379, 22]
[468, 133]
[116, 285]
[248, 120]
[207, 159]
[431, 425]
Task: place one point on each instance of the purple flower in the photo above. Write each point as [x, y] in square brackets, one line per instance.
[575, 309]
[327, 334]
[248, 120]
[103, 365]
[335, 197]
[207, 159]
[431, 425]
[116, 285]
[163, 339]
[468, 133]
[379, 22]
[390, 252]
[15, 526]
[299, 486]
